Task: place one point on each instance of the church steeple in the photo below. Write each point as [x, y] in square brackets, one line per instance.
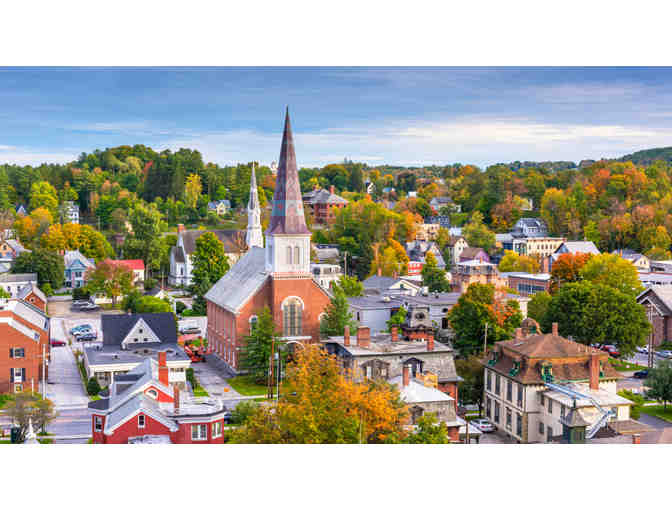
[254, 237]
[287, 215]
[288, 237]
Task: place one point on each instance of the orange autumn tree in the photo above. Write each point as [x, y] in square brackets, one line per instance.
[320, 405]
[567, 269]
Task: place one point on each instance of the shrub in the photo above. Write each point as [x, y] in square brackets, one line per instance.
[92, 387]
[191, 378]
[80, 293]
[180, 307]
[150, 283]
[243, 411]
[48, 291]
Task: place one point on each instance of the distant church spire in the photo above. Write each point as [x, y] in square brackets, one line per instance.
[287, 215]
[254, 237]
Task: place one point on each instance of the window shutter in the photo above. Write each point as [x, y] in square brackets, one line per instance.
[11, 375]
[11, 352]
[23, 375]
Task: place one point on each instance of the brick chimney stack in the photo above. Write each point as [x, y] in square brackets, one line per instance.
[555, 329]
[406, 376]
[332, 190]
[380, 271]
[346, 336]
[594, 371]
[430, 343]
[636, 439]
[394, 334]
[519, 333]
[163, 368]
[363, 337]
[176, 398]
[180, 228]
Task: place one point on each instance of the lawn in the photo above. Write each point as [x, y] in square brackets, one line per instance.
[4, 399]
[624, 366]
[659, 411]
[199, 391]
[245, 385]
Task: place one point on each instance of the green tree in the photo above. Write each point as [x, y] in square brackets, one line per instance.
[93, 387]
[27, 406]
[112, 280]
[43, 194]
[4, 294]
[429, 431]
[243, 411]
[477, 234]
[257, 349]
[511, 261]
[537, 307]
[470, 369]
[49, 267]
[433, 277]
[397, 319]
[337, 315]
[614, 271]
[147, 224]
[209, 260]
[350, 286]
[659, 382]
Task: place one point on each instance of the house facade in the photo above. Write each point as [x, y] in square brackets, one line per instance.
[276, 276]
[464, 274]
[136, 266]
[518, 398]
[427, 231]
[24, 335]
[456, 245]
[572, 247]
[322, 204]
[181, 264]
[14, 283]
[657, 301]
[70, 212]
[129, 340]
[32, 294]
[417, 252]
[326, 274]
[10, 249]
[528, 284]
[219, 207]
[143, 407]
[76, 266]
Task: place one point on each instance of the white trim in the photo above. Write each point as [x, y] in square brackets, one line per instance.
[147, 333]
[284, 301]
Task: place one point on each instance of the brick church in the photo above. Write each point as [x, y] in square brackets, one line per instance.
[277, 275]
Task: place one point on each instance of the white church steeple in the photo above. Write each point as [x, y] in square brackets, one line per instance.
[254, 237]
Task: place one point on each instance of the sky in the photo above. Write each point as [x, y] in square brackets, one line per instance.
[398, 116]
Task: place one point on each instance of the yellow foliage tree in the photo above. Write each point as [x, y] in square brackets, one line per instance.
[192, 190]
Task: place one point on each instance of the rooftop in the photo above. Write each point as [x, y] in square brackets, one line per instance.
[113, 355]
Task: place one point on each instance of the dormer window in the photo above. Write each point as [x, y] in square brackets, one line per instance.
[153, 393]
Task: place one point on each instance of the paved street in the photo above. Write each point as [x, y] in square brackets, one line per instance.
[65, 388]
[213, 379]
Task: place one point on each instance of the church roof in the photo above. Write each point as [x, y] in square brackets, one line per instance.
[253, 202]
[241, 281]
[287, 215]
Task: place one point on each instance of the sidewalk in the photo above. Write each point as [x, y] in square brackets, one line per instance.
[212, 376]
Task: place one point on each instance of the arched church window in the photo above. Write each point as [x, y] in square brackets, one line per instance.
[253, 323]
[292, 317]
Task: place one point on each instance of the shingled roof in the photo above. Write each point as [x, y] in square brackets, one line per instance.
[229, 238]
[116, 327]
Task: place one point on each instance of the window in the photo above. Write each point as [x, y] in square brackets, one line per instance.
[541, 399]
[253, 322]
[496, 412]
[289, 254]
[488, 404]
[97, 423]
[549, 433]
[508, 418]
[550, 406]
[497, 384]
[376, 369]
[541, 428]
[562, 411]
[18, 375]
[519, 424]
[141, 421]
[509, 390]
[292, 313]
[140, 330]
[297, 255]
[217, 429]
[520, 395]
[18, 388]
[153, 393]
[199, 432]
[489, 381]
[17, 352]
[416, 414]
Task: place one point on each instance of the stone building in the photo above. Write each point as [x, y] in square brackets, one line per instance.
[657, 300]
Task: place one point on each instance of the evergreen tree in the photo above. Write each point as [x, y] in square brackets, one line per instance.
[337, 315]
[434, 277]
[257, 349]
[659, 382]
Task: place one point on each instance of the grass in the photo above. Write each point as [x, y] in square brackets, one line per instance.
[5, 398]
[638, 402]
[247, 386]
[624, 366]
[659, 411]
[199, 391]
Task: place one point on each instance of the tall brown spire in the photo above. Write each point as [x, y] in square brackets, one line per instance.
[287, 215]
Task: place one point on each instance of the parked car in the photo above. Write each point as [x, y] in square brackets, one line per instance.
[86, 333]
[90, 307]
[483, 424]
[87, 337]
[642, 374]
[664, 354]
[57, 343]
[81, 329]
[612, 350]
[190, 330]
[643, 350]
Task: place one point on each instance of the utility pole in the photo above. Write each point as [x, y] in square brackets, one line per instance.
[270, 370]
[44, 372]
[277, 392]
[485, 340]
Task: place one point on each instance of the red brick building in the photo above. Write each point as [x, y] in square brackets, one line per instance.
[322, 203]
[24, 335]
[277, 276]
[32, 294]
[142, 407]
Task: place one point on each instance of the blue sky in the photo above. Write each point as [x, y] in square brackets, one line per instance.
[408, 116]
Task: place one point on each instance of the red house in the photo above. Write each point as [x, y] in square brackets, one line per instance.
[277, 276]
[142, 407]
[137, 267]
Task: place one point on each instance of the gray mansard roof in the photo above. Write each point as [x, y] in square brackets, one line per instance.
[241, 281]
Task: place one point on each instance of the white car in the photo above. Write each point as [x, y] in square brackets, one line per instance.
[483, 424]
[664, 354]
[643, 350]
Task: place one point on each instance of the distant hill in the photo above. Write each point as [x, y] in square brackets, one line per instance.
[548, 165]
[648, 156]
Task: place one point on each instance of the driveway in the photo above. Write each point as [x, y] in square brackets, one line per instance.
[213, 380]
[64, 386]
[652, 421]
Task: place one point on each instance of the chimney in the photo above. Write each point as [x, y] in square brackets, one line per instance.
[380, 271]
[555, 329]
[396, 274]
[332, 190]
[519, 333]
[636, 439]
[394, 334]
[594, 371]
[346, 336]
[180, 228]
[163, 368]
[176, 398]
[363, 336]
[430, 343]
[406, 376]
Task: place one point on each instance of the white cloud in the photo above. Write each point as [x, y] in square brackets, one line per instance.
[6, 147]
[16, 156]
